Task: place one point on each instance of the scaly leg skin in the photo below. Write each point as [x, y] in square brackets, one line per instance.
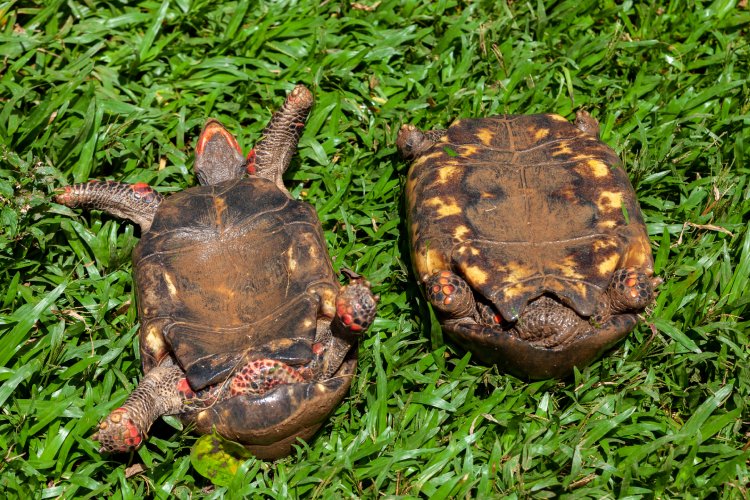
[137, 202]
[273, 153]
[450, 294]
[630, 290]
[157, 394]
[165, 391]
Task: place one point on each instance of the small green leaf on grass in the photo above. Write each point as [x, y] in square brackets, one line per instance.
[217, 459]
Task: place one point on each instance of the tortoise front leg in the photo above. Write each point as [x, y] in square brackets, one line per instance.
[136, 202]
[273, 153]
[630, 290]
[450, 294]
[355, 308]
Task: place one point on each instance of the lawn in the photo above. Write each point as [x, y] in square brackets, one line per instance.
[120, 90]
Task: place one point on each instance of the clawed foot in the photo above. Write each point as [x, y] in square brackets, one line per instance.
[631, 289]
[450, 294]
[118, 433]
[356, 305]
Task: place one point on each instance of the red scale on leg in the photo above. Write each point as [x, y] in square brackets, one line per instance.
[183, 387]
[143, 192]
[250, 167]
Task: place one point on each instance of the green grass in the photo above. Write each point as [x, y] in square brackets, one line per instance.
[109, 89]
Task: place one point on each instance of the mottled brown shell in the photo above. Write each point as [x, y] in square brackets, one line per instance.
[227, 268]
[525, 205]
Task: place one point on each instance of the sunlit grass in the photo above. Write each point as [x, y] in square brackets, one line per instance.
[94, 89]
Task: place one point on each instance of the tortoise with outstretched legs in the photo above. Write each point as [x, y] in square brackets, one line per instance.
[244, 327]
[527, 238]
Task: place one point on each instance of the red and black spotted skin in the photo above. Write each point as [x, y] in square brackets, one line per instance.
[524, 205]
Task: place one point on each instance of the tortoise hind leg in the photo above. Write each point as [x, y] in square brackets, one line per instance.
[159, 393]
[494, 344]
[136, 202]
[273, 153]
[355, 308]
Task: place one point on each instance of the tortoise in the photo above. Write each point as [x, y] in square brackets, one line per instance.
[527, 238]
[244, 326]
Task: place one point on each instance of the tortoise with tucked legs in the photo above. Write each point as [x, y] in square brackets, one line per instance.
[527, 238]
[244, 327]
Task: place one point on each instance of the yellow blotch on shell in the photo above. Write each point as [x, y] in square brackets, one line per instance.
[154, 339]
[475, 275]
[170, 285]
[568, 268]
[606, 224]
[563, 149]
[460, 232]
[608, 265]
[558, 118]
[541, 134]
[445, 206]
[429, 261]
[292, 262]
[604, 244]
[446, 172]
[638, 256]
[516, 290]
[220, 206]
[598, 168]
[485, 136]
[425, 158]
[609, 200]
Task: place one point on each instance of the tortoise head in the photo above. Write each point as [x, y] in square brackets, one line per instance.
[218, 157]
[412, 142]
